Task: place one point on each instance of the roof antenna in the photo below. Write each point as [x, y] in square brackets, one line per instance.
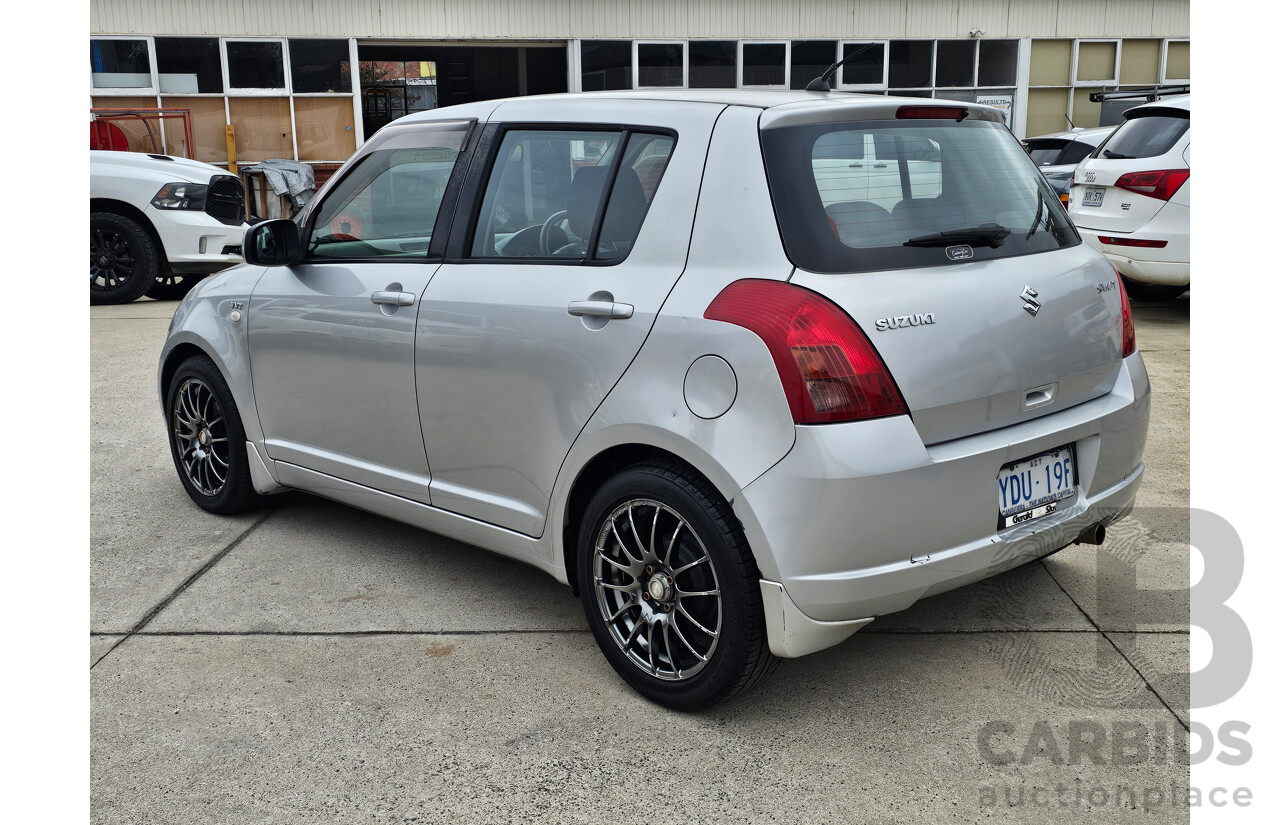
[822, 83]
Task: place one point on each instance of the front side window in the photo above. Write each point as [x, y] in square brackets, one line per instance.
[547, 189]
[387, 205]
[855, 197]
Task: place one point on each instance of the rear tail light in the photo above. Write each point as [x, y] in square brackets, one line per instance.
[1160, 184]
[829, 370]
[1144, 243]
[1128, 340]
[932, 112]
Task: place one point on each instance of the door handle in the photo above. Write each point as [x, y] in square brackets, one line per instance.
[601, 309]
[397, 299]
[881, 165]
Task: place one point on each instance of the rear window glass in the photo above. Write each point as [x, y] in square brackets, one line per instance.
[856, 197]
[1145, 137]
[1045, 152]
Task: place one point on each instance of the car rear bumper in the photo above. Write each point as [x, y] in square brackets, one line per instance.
[1169, 265]
[863, 519]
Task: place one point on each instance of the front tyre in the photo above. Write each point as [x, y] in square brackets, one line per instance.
[123, 259]
[670, 589]
[206, 438]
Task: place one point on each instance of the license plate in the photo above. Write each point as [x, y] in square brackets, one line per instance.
[1030, 489]
[1093, 195]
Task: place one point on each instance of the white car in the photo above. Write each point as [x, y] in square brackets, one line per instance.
[1131, 198]
[158, 224]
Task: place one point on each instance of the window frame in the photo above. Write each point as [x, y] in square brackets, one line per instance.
[1114, 80]
[442, 231]
[152, 90]
[684, 63]
[236, 91]
[1164, 58]
[222, 66]
[786, 63]
[882, 86]
[466, 221]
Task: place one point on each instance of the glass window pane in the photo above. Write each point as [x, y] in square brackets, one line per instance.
[1096, 61]
[713, 64]
[262, 128]
[606, 65]
[997, 62]
[661, 64]
[188, 65]
[387, 205]
[326, 128]
[867, 65]
[255, 64]
[809, 59]
[1177, 61]
[955, 63]
[642, 166]
[911, 63]
[911, 92]
[1145, 137]
[764, 64]
[320, 65]
[208, 128]
[544, 180]
[119, 64]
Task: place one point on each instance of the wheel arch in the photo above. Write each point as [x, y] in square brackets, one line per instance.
[133, 213]
[602, 466]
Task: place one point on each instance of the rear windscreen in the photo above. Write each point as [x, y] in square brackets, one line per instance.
[1145, 137]
[855, 197]
[1045, 152]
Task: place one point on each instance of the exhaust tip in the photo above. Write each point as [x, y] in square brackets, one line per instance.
[1094, 534]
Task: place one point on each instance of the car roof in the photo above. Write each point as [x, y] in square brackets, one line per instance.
[1087, 135]
[1175, 102]
[799, 105]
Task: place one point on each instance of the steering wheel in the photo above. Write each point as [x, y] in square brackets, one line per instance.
[544, 237]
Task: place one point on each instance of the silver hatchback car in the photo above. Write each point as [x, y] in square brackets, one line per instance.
[746, 370]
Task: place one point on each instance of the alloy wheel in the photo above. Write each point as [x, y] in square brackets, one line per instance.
[656, 589]
[200, 432]
[111, 260]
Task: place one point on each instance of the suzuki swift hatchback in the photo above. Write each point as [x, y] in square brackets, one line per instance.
[746, 370]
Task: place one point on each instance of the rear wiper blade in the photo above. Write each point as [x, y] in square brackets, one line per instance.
[1116, 155]
[992, 234]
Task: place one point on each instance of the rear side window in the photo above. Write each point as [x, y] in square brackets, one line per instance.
[856, 197]
[1145, 136]
[555, 194]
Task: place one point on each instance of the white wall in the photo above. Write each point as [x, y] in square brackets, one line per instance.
[564, 19]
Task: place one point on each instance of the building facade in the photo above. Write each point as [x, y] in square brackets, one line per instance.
[281, 71]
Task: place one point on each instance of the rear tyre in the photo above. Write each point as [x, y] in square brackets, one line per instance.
[1152, 292]
[171, 287]
[123, 259]
[206, 438]
[670, 589]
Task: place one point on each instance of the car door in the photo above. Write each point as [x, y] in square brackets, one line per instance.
[331, 339]
[573, 237]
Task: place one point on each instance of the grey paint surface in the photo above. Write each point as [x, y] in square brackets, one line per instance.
[504, 726]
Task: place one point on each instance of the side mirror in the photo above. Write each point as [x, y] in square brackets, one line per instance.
[272, 243]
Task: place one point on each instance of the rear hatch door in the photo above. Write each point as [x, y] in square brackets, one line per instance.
[1006, 318]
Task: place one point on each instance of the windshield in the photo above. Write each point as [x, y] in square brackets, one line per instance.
[855, 197]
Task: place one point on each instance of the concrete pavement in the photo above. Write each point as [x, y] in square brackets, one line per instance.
[314, 663]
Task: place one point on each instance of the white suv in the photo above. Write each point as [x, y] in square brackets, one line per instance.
[158, 224]
[1132, 198]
